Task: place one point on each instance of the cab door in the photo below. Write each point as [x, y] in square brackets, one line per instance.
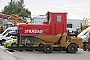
[59, 24]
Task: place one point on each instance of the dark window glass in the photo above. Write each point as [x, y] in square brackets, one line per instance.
[69, 25]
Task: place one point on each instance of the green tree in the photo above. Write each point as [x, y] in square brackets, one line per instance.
[23, 13]
[16, 7]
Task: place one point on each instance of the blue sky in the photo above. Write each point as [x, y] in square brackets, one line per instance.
[77, 9]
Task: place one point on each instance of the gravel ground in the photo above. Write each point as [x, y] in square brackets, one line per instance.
[5, 55]
[39, 55]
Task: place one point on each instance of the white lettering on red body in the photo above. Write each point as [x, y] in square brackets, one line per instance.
[33, 31]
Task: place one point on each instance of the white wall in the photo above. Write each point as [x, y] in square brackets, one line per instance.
[75, 23]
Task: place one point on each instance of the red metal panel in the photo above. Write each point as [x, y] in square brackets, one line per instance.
[58, 27]
[53, 27]
[25, 29]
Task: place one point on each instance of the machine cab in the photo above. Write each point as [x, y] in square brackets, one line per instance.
[57, 21]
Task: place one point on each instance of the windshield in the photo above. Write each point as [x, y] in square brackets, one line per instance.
[6, 32]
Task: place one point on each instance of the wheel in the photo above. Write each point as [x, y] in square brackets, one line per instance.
[14, 45]
[84, 49]
[29, 41]
[67, 51]
[10, 50]
[72, 48]
[89, 49]
[47, 48]
[2, 42]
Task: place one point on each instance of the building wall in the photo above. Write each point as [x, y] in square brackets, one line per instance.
[39, 19]
[75, 23]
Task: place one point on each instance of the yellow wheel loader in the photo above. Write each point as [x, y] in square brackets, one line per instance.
[63, 42]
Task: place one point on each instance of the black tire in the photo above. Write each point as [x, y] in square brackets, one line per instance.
[14, 45]
[47, 48]
[2, 42]
[67, 51]
[85, 49]
[10, 50]
[72, 48]
[29, 41]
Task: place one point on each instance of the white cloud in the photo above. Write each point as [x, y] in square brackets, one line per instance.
[66, 2]
[39, 11]
[85, 4]
[68, 5]
[55, 6]
[61, 7]
[74, 16]
[84, 10]
[77, 8]
[88, 4]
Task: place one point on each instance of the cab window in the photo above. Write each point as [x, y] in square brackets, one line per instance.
[59, 18]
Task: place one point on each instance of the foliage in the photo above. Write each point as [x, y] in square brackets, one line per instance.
[16, 7]
[23, 13]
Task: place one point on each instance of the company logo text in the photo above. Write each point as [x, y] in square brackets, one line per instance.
[33, 31]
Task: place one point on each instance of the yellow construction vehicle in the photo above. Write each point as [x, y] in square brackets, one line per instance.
[84, 33]
[63, 42]
[81, 28]
[48, 36]
[49, 43]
